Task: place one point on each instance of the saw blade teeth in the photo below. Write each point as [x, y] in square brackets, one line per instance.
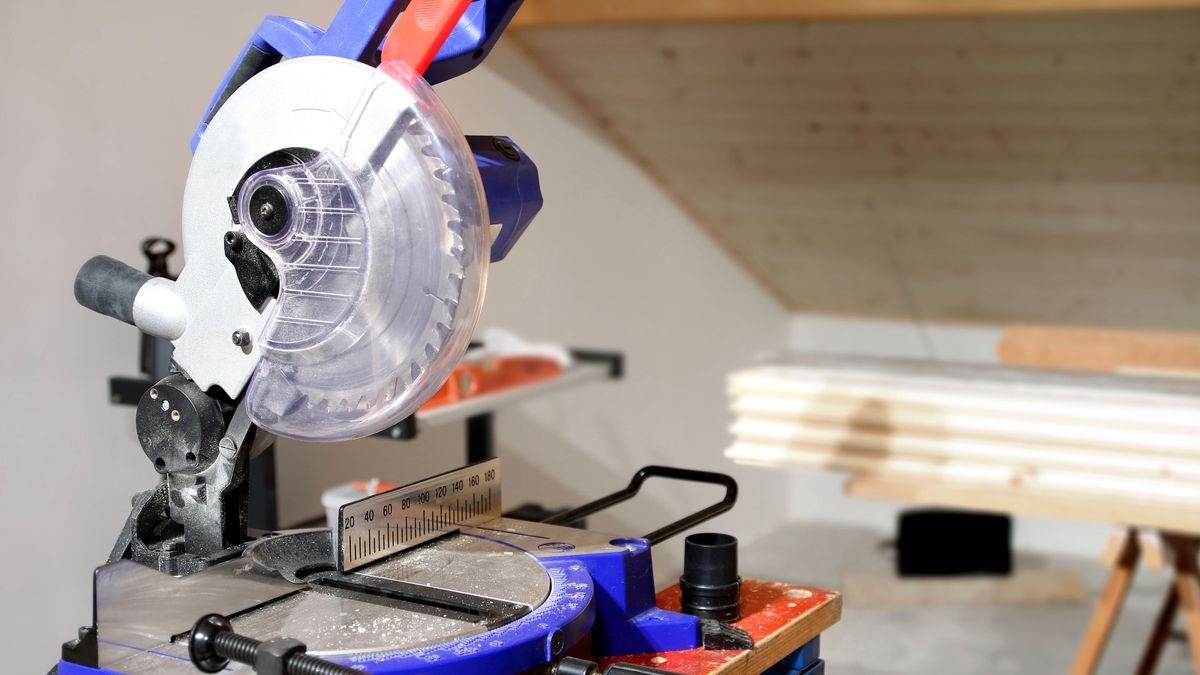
[448, 207]
[443, 331]
[450, 303]
[445, 174]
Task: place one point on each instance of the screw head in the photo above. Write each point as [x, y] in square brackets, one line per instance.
[268, 210]
[507, 149]
[241, 338]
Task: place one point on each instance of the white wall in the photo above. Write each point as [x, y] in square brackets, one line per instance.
[819, 495]
[99, 101]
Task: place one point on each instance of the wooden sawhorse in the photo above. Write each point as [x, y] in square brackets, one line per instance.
[1183, 596]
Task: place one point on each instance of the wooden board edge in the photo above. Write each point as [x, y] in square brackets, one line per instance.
[1012, 501]
[771, 650]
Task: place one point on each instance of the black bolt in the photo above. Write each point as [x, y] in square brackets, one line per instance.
[214, 644]
[557, 643]
[233, 241]
[507, 149]
[267, 204]
[241, 338]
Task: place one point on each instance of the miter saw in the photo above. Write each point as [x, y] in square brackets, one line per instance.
[338, 228]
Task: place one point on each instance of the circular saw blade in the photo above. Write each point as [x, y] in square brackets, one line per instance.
[382, 256]
[382, 264]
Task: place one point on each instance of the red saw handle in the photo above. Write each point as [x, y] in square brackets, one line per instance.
[420, 30]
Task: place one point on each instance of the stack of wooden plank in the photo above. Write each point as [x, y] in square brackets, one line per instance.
[1083, 446]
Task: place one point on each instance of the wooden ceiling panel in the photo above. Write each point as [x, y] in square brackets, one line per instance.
[615, 12]
[1003, 169]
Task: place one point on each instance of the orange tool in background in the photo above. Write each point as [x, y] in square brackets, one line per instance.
[492, 374]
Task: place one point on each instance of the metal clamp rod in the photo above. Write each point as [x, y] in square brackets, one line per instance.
[213, 645]
[653, 471]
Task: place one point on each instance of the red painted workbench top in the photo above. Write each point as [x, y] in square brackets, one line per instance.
[780, 617]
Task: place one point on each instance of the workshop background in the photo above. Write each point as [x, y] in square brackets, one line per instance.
[713, 192]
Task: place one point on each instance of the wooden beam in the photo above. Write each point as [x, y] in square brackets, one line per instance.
[1100, 350]
[1014, 499]
[536, 13]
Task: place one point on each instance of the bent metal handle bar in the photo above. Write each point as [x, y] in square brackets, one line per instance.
[635, 485]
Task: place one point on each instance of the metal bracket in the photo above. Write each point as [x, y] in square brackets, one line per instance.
[192, 518]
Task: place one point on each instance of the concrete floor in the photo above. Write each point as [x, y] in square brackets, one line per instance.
[964, 640]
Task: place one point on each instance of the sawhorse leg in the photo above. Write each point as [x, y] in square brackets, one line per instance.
[1108, 607]
[1184, 595]
[1158, 636]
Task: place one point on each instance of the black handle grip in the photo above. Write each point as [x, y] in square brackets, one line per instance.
[109, 286]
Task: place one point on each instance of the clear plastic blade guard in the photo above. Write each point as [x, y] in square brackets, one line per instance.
[382, 267]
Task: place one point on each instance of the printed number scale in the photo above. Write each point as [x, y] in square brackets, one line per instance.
[378, 526]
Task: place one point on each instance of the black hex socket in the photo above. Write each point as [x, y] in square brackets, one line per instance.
[710, 585]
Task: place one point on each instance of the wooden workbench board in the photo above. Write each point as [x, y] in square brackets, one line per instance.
[780, 618]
